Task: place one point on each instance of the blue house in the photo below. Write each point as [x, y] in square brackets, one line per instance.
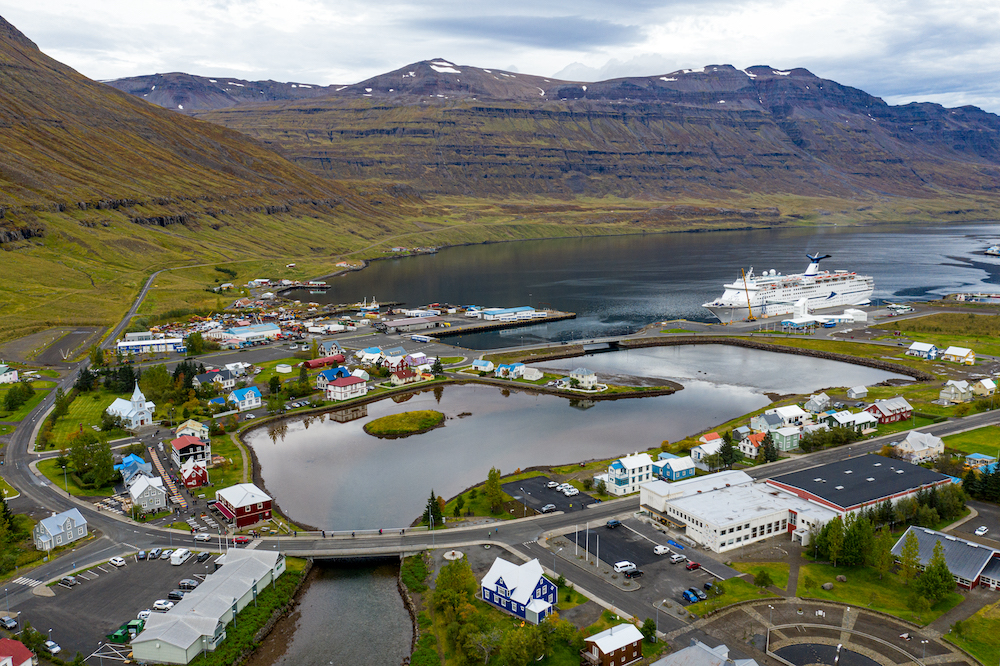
[245, 398]
[979, 460]
[220, 402]
[127, 460]
[520, 590]
[481, 365]
[327, 376]
[675, 469]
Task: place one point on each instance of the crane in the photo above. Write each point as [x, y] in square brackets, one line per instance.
[750, 316]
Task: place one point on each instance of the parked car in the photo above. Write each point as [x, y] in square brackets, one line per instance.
[9, 622]
[52, 647]
[552, 484]
[613, 523]
[162, 605]
[625, 565]
[248, 417]
[141, 555]
[689, 597]
[175, 595]
[709, 585]
[677, 557]
[202, 557]
[188, 584]
[838, 405]
[117, 562]
[165, 555]
[571, 491]
[981, 530]
[241, 540]
[144, 614]
[859, 404]
[69, 580]
[691, 566]
[633, 574]
[548, 508]
[155, 553]
[695, 591]
[202, 536]
[661, 550]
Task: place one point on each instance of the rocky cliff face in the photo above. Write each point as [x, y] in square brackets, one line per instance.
[447, 128]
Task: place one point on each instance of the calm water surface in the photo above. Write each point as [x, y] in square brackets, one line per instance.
[332, 475]
[619, 284]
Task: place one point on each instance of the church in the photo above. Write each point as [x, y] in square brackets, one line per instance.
[135, 412]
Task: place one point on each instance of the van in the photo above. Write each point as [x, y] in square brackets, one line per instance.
[180, 556]
[625, 565]
[676, 557]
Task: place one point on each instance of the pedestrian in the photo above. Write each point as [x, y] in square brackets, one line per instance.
[380, 531]
[352, 535]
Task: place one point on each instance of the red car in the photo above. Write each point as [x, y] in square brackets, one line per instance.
[691, 566]
[241, 540]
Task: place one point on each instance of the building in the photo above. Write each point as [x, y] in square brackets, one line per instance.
[197, 623]
[8, 375]
[919, 447]
[891, 410]
[189, 447]
[135, 412]
[149, 343]
[395, 363]
[765, 422]
[710, 438]
[346, 388]
[369, 355]
[324, 361]
[532, 374]
[220, 380]
[194, 473]
[132, 467]
[857, 392]
[699, 654]
[701, 454]
[959, 355]
[970, 564]
[59, 529]
[15, 653]
[327, 376]
[654, 495]
[675, 468]
[626, 474]
[361, 374]
[481, 365]
[254, 333]
[245, 398]
[956, 391]
[193, 428]
[818, 403]
[979, 460]
[984, 387]
[789, 415]
[853, 483]
[618, 646]
[411, 324]
[787, 438]
[520, 590]
[585, 378]
[243, 504]
[924, 350]
[402, 377]
[861, 421]
[148, 494]
[509, 371]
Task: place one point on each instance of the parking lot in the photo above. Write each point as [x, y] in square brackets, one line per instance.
[535, 494]
[81, 616]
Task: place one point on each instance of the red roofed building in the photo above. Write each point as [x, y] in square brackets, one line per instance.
[402, 377]
[189, 447]
[750, 445]
[709, 438]
[345, 388]
[194, 473]
[243, 504]
[19, 655]
[314, 363]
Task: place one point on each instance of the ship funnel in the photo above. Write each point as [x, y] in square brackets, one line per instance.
[814, 260]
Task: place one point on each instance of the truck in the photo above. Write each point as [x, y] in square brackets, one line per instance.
[180, 556]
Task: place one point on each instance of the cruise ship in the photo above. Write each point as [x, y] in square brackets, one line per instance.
[772, 294]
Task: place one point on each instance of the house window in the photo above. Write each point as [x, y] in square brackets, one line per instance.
[58, 538]
[260, 505]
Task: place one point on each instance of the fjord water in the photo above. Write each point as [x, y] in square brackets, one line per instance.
[621, 283]
[334, 476]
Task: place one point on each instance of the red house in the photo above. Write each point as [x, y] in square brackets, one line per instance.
[314, 363]
[194, 474]
[243, 504]
[18, 653]
[891, 410]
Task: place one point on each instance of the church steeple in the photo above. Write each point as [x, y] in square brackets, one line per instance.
[138, 399]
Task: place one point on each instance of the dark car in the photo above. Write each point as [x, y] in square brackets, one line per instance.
[141, 555]
[859, 404]
[633, 574]
[709, 585]
[691, 566]
[155, 553]
[187, 584]
[203, 556]
[695, 591]
[175, 595]
[613, 523]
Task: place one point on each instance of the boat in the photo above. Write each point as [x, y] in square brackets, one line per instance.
[993, 251]
[769, 294]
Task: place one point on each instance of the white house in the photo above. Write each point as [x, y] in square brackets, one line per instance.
[361, 374]
[789, 414]
[818, 403]
[959, 355]
[857, 392]
[620, 645]
[626, 474]
[481, 365]
[245, 398]
[924, 350]
[220, 380]
[345, 388]
[532, 374]
[920, 446]
[956, 391]
[148, 494]
[750, 445]
[59, 529]
[135, 412]
[8, 375]
[189, 447]
[521, 590]
[586, 378]
[984, 387]
[702, 451]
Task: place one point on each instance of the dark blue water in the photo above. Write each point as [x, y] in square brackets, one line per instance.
[618, 284]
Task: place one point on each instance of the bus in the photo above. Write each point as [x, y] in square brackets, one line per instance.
[420, 338]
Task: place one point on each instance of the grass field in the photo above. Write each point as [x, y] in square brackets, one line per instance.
[778, 570]
[54, 473]
[85, 411]
[737, 590]
[267, 371]
[25, 409]
[978, 635]
[8, 490]
[981, 440]
[231, 472]
[864, 589]
[405, 423]
[978, 332]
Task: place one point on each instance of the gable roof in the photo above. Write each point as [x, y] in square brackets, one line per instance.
[521, 580]
[890, 406]
[957, 351]
[922, 346]
[965, 558]
[243, 494]
[185, 441]
[616, 637]
[346, 381]
[244, 393]
[144, 482]
[959, 384]
[16, 650]
[53, 524]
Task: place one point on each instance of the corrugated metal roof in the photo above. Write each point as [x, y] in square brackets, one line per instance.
[965, 559]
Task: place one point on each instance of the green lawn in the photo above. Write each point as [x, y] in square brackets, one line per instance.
[737, 590]
[25, 409]
[6, 429]
[979, 333]
[7, 489]
[54, 473]
[570, 598]
[267, 370]
[778, 571]
[231, 472]
[448, 360]
[84, 412]
[404, 423]
[864, 589]
[981, 440]
[979, 635]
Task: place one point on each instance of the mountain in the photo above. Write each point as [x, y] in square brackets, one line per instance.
[186, 92]
[712, 133]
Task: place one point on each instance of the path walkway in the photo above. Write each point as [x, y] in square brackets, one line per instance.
[243, 454]
[175, 496]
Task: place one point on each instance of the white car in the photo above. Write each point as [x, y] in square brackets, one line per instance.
[162, 605]
[569, 492]
[144, 614]
[982, 530]
[661, 550]
[116, 561]
[202, 536]
[52, 647]
[552, 484]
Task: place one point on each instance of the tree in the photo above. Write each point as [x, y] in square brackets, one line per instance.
[649, 629]
[728, 453]
[274, 403]
[713, 461]
[314, 349]
[487, 643]
[936, 581]
[97, 357]
[881, 554]
[195, 344]
[835, 539]
[91, 458]
[601, 487]
[459, 505]
[909, 557]
[763, 579]
[157, 384]
[274, 385]
[85, 380]
[436, 367]
[494, 493]
[303, 375]
[432, 510]
[767, 452]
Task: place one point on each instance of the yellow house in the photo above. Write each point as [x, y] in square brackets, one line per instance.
[959, 355]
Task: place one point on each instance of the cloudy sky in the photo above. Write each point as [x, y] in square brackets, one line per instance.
[900, 50]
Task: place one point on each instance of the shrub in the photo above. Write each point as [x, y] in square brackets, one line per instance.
[763, 579]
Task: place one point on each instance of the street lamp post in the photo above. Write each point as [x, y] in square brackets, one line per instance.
[100, 644]
[658, 606]
[65, 482]
[431, 516]
[554, 560]
[923, 649]
[836, 660]
[524, 503]
[770, 616]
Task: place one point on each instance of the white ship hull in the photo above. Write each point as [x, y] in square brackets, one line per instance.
[776, 295]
